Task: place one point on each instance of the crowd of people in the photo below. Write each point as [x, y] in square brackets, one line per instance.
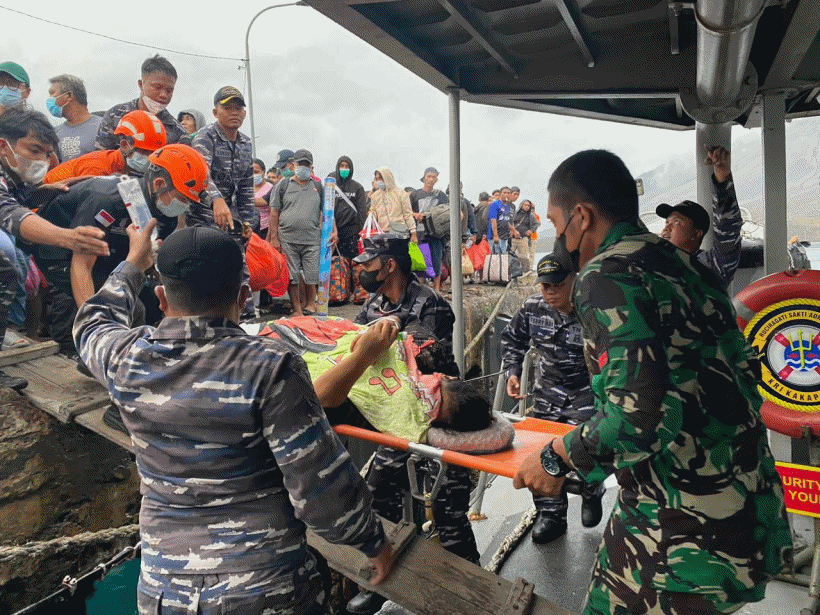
[634, 334]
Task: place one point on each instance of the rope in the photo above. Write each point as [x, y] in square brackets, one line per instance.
[511, 542]
[10, 554]
[490, 318]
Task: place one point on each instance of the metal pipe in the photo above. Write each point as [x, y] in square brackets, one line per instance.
[248, 65]
[726, 29]
[775, 251]
[711, 135]
[456, 279]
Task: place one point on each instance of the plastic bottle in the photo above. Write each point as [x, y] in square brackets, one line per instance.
[135, 204]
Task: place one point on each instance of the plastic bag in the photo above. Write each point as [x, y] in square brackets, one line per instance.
[417, 258]
[424, 248]
[466, 264]
[371, 227]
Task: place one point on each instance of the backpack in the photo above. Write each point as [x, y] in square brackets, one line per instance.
[437, 221]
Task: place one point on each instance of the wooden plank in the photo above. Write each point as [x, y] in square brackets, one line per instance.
[27, 353]
[428, 580]
[56, 387]
[93, 420]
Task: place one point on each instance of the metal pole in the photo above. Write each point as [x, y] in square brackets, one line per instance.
[456, 278]
[248, 66]
[775, 252]
[712, 135]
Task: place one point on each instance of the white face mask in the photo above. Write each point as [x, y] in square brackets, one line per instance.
[175, 208]
[30, 171]
[138, 162]
[152, 106]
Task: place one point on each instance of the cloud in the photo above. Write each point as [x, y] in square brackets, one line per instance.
[315, 85]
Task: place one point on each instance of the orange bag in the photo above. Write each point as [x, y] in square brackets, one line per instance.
[265, 264]
[478, 253]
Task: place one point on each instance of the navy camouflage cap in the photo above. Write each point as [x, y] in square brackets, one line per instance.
[551, 271]
[386, 244]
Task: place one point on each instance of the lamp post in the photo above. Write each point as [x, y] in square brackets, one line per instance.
[248, 65]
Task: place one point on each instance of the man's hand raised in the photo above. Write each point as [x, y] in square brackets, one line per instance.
[140, 251]
[721, 161]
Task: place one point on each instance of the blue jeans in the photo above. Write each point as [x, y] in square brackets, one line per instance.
[436, 252]
[500, 247]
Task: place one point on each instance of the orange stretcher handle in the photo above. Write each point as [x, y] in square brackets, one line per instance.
[530, 435]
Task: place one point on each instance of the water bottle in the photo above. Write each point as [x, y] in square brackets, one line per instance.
[135, 204]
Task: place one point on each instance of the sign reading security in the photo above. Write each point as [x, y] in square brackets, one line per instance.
[786, 337]
[801, 488]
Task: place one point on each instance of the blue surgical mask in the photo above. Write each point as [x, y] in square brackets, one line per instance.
[381, 185]
[138, 162]
[10, 97]
[286, 172]
[302, 173]
[53, 108]
[257, 179]
[175, 208]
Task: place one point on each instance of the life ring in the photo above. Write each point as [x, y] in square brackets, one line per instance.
[780, 316]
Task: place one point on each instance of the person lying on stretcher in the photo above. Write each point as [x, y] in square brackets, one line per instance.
[368, 372]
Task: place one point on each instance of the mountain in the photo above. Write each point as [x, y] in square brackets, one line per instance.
[674, 180]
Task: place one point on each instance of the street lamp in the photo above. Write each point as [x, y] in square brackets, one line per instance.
[248, 65]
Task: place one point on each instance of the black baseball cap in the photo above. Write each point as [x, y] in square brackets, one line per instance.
[226, 94]
[386, 244]
[283, 158]
[551, 271]
[302, 154]
[696, 213]
[199, 253]
[428, 170]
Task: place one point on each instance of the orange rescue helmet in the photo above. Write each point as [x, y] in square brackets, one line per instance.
[186, 166]
[146, 130]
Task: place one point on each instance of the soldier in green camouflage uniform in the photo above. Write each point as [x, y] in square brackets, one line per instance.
[699, 526]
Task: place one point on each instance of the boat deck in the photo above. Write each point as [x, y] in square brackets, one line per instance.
[560, 570]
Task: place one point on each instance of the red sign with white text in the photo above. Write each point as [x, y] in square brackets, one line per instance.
[801, 488]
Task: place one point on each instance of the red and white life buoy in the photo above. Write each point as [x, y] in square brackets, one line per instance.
[780, 316]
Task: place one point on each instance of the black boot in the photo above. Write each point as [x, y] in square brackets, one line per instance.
[365, 603]
[548, 527]
[12, 382]
[591, 508]
[113, 419]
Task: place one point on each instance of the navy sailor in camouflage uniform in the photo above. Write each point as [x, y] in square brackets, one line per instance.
[687, 222]
[699, 525]
[397, 293]
[561, 391]
[235, 454]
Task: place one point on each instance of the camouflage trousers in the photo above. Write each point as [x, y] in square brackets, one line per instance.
[8, 290]
[556, 507]
[255, 592]
[602, 601]
[388, 480]
[622, 576]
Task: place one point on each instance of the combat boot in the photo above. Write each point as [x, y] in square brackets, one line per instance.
[548, 527]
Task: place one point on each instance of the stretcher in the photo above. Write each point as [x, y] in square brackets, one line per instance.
[530, 435]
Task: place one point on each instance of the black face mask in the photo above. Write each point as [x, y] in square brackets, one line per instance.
[368, 281]
[569, 260]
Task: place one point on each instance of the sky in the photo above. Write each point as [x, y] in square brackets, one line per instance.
[317, 86]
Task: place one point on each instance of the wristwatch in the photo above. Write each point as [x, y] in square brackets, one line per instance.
[552, 462]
